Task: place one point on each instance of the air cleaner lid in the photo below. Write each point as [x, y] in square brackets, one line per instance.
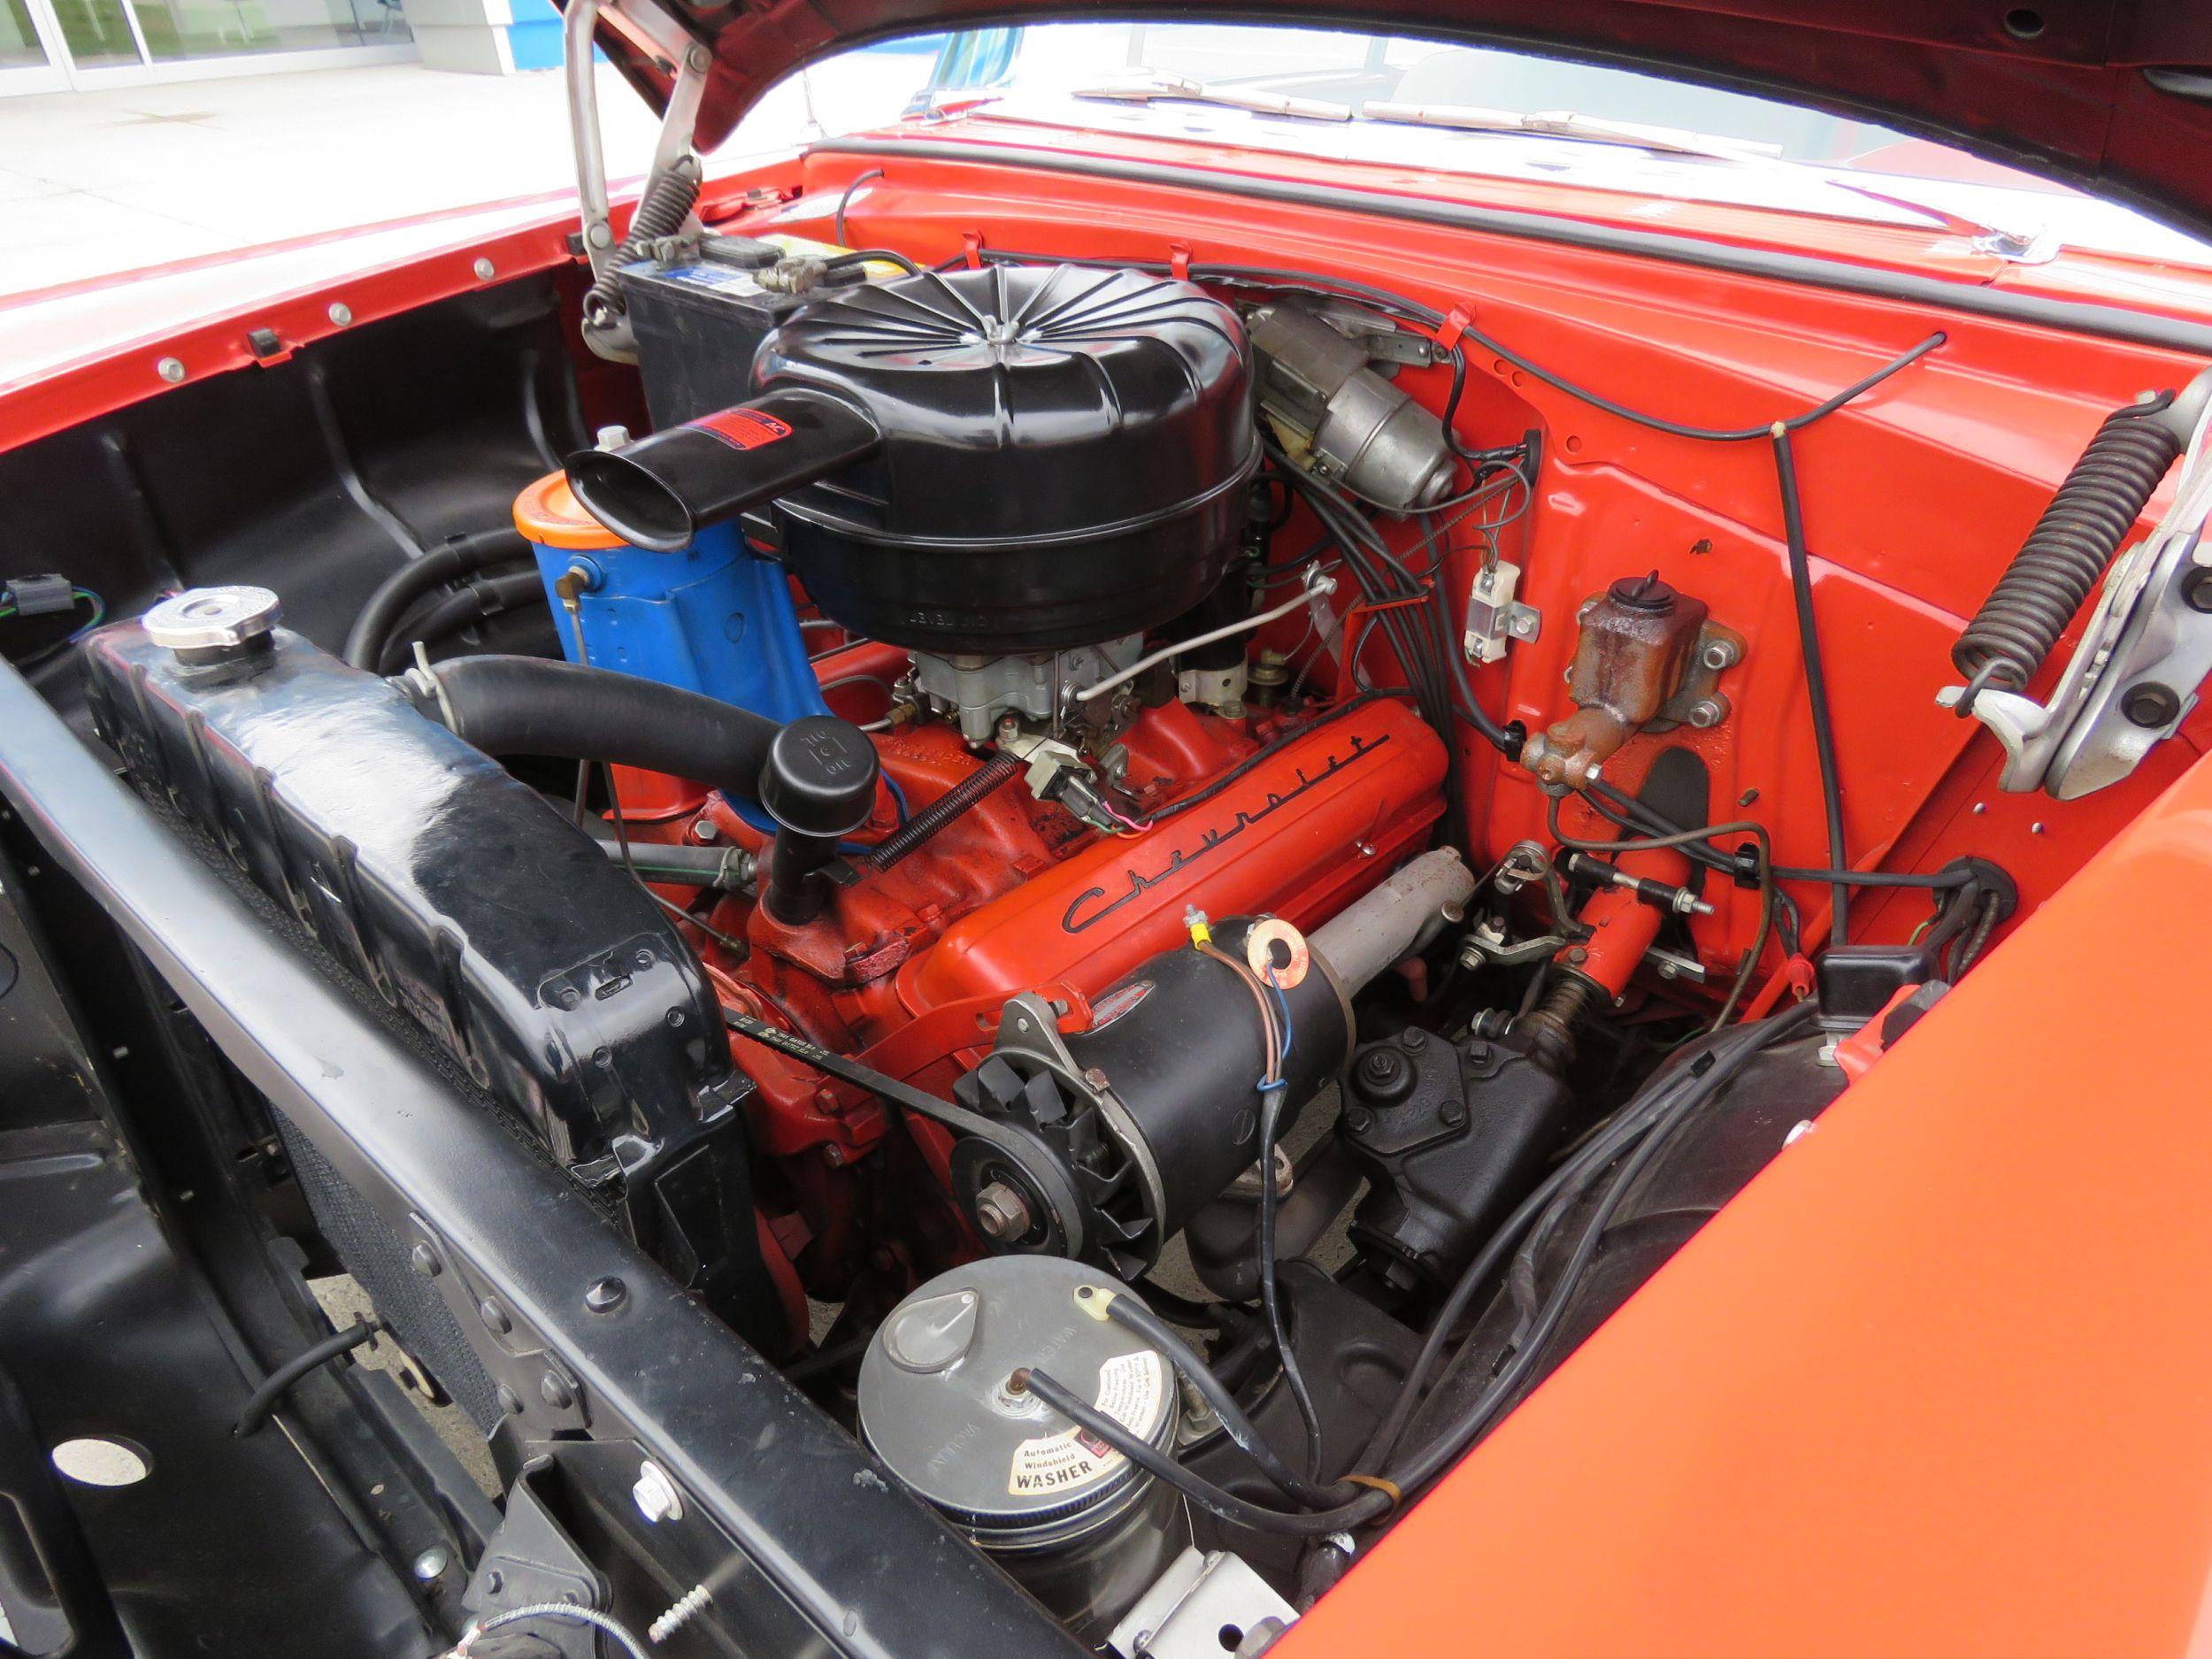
[936, 1404]
[1023, 404]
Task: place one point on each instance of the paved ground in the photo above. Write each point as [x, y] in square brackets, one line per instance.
[92, 183]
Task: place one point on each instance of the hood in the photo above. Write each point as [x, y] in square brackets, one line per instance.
[2113, 95]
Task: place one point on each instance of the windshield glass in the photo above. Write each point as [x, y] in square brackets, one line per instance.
[1482, 111]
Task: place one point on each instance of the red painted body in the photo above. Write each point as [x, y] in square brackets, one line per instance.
[1932, 1385]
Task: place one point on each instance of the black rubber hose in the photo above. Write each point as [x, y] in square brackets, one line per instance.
[528, 705]
[956, 801]
[845, 200]
[1816, 682]
[1370, 1505]
[263, 1400]
[1129, 1311]
[478, 600]
[449, 561]
[869, 255]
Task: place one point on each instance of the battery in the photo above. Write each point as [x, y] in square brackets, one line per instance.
[697, 327]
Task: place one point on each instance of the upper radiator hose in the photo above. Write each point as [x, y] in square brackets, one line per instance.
[816, 777]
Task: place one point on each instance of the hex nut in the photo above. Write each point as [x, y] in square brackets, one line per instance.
[1001, 1213]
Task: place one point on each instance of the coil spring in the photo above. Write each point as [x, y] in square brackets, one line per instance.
[2067, 551]
[666, 203]
[942, 811]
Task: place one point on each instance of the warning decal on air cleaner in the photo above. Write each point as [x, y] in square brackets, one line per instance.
[1129, 1389]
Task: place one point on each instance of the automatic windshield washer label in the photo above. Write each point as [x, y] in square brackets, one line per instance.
[1130, 1388]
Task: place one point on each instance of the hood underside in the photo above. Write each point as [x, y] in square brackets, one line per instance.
[2115, 96]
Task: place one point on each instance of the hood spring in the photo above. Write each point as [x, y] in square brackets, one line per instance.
[2069, 548]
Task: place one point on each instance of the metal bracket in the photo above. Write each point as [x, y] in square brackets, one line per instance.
[532, 1559]
[1202, 1606]
[1494, 617]
[529, 1379]
[2131, 683]
[1030, 1026]
[1698, 701]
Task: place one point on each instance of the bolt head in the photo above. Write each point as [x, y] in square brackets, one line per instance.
[494, 1318]
[605, 1296]
[424, 1259]
[1719, 653]
[1708, 712]
[432, 1563]
[485, 269]
[656, 1495]
[170, 369]
[553, 1390]
[2196, 591]
[340, 312]
[2151, 706]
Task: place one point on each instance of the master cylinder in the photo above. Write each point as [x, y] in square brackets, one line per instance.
[1649, 658]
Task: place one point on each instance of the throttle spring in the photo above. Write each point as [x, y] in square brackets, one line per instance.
[942, 811]
[2067, 551]
[666, 203]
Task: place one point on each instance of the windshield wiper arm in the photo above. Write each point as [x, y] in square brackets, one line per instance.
[1470, 118]
[1153, 86]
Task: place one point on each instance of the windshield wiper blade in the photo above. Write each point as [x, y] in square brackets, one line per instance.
[1470, 118]
[1154, 87]
[2035, 245]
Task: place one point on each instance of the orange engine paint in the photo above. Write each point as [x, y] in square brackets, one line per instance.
[1301, 835]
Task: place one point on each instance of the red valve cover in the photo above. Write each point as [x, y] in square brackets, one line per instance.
[1301, 834]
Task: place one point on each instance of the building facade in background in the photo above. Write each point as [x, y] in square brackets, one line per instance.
[77, 46]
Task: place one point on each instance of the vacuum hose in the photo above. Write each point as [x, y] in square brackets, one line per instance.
[2072, 543]
[816, 777]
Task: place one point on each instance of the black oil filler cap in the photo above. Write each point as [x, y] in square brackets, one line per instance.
[820, 779]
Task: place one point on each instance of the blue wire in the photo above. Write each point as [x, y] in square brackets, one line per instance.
[1282, 1007]
[99, 612]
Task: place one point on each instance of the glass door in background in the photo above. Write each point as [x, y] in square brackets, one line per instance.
[28, 62]
[59, 45]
